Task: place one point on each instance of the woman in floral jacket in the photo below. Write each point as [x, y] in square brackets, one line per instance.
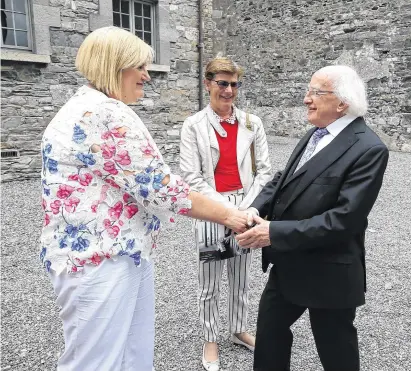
[106, 194]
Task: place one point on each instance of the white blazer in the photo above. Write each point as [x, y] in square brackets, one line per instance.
[199, 155]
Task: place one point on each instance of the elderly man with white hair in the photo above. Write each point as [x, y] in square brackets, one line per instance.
[316, 215]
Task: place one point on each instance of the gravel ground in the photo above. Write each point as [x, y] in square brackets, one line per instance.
[31, 330]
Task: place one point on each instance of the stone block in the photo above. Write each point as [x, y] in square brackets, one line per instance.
[183, 66]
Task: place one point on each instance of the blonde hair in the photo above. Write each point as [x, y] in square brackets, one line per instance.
[106, 52]
[222, 65]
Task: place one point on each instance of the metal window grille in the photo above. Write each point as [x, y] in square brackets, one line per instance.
[9, 153]
[15, 24]
[137, 17]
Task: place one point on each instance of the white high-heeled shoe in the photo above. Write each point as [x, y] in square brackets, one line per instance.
[210, 365]
[237, 341]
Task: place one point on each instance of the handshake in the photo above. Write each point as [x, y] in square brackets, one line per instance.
[252, 231]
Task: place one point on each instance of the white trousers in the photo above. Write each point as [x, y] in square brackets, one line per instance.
[238, 272]
[108, 316]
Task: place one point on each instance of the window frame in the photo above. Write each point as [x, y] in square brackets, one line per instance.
[132, 16]
[30, 46]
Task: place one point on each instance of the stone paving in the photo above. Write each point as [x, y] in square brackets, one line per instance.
[31, 335]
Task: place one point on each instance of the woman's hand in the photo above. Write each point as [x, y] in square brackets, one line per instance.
[236, 220]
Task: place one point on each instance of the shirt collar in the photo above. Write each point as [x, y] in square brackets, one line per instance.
[340, 124]
[231, 120]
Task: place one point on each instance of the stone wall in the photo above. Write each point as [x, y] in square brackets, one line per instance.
[33, 93]
[281, 44]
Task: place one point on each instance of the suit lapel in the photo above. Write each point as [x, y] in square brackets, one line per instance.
[323, 159]
[244, 137]
[212, 124]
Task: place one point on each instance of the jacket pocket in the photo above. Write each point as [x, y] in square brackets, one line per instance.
[329, 180]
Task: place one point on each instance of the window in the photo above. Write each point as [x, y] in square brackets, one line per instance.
[137, 17]
[15, 30]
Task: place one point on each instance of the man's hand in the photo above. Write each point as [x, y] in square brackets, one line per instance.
[236, 220]
[256, 237]
[251, 212]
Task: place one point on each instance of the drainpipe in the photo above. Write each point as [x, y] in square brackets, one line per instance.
[200, 47]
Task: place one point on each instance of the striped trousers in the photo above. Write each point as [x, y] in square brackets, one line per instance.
[209, 277]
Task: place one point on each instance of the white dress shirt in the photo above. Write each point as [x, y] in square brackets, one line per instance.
[334, 129]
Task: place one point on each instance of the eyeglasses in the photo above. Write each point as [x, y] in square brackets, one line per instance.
[224, 84]
[317, 92]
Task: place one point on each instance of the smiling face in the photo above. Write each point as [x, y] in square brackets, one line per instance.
[132, 85]
[323, 109]
[222, 99]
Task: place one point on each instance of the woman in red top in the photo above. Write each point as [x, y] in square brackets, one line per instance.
[216, 160]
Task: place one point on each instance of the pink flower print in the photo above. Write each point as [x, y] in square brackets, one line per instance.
[112, 133]
[95, 259]
[43, 204]
[107, 255]
[112, 183]
[108, 151]
[130, 210]
[110, 167]
[73, 177]
[122, 157]
[55, 206]
[106, 223]
[174, 199]
[121, 142]
[113, 231]
[80, 262]
[85, 179]
[120, 223]
[183, 211]
[172, 220]
[81, 190]
[74, 268]
[71, 204]
[148, 149]
[115, 211]
[127, 198]
[98, 173]
[46, 219]
[94, 206]
[65, 191]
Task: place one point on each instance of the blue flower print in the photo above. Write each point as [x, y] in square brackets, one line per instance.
[81, 244]
[52, 165]
[63, 242]
[47, 265]
[136, 257]
[130, 244]
[86, 159]
[46, 190]
[143, 191]
[43, 254]
[149, 169]
[71, 230]
[47, 148]
[158, 178]
[122, 252]
[143, 178]
[79, 135]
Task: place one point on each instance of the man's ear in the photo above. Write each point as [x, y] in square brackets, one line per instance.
[342, 107]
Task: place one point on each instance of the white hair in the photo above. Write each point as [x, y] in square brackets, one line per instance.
[348, 87]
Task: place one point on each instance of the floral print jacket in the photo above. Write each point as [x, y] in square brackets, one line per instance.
[101, 182]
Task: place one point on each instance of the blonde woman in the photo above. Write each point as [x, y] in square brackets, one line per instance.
[224, 155]
[106, 194]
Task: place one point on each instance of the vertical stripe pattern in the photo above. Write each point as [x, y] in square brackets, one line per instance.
[209, 278]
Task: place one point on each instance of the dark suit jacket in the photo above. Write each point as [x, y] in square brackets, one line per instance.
[319, 216]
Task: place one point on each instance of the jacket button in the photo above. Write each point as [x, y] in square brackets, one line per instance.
[274, 216]
[277, 201]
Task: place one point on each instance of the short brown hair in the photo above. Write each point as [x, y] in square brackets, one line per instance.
[222, 65]
[106, 52]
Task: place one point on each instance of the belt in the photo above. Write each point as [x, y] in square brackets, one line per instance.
[234, 192]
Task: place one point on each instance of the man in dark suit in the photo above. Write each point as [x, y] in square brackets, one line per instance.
[316, 211]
